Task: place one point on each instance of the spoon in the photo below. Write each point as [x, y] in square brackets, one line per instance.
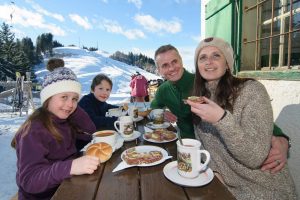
[174, 124]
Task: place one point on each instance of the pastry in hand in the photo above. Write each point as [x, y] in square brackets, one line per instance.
[101, 150]
[196, 99]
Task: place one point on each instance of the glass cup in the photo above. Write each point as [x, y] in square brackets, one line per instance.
[158, 116]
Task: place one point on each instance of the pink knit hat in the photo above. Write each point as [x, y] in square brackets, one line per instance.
[222, 45]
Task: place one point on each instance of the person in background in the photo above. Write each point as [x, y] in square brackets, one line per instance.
[46, 142]
[179, 85]
[235, 124]
[139, 88]
[95, 103]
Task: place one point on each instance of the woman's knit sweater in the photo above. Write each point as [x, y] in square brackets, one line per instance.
[239, 144]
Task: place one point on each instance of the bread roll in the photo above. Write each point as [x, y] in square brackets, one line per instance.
[101, 150]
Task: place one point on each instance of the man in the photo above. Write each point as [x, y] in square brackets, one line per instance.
[178, 87]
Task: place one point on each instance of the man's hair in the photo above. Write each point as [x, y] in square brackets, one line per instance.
[163, 49]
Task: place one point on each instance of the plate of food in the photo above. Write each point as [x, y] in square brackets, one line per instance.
[156, 126]
[145, 155]
[142, 156]
[160, 136]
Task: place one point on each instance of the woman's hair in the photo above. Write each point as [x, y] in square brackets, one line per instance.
[226, 92]
[45, 117]
[98, 79]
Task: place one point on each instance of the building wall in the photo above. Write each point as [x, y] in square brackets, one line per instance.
[218, 15]
[285, 98]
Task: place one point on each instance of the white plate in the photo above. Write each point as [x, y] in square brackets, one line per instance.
[137, 119]
[155, 126]
[134, 136]
[118, 144]
[163, 141]
[148, 148]
[170, 171]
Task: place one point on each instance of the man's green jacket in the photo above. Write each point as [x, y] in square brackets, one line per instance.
[170, 95]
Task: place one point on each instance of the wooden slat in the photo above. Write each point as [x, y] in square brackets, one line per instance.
[121, 185]
[154, 185]
[213, 190]
[79, 187]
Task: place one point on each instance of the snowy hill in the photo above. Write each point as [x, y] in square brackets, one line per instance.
[86, 65]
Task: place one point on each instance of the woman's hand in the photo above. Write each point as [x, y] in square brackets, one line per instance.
[84, 165]
[208, 111]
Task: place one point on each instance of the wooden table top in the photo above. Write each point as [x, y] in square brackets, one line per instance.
[136, 183]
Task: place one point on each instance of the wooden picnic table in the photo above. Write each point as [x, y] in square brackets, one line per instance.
[136, 183]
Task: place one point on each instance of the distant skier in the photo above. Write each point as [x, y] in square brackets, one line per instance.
[139, 88]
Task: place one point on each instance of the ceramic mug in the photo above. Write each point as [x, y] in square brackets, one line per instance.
[107, 136]
[189, 158]
[126, 127]
[133, 111]
[158, 116]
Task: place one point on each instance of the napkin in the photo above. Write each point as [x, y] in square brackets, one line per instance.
[124, 165]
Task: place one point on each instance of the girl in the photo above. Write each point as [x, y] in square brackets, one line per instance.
[95, 103]
[45, 143]
[235, 125]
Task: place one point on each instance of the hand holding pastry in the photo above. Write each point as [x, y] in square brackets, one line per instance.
[207, 110]
[84, 165]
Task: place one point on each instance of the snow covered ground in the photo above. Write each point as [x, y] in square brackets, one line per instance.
[86, 65]
[9, 124]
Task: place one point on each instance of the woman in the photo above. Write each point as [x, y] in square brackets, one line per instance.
[235, 124]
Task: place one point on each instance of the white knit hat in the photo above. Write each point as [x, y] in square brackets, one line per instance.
[222, 45]
[59, 80]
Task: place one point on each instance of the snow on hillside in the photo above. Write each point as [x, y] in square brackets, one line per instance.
[87, 64]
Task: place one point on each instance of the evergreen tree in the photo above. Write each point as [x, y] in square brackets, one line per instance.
[7, 43]
[139, 60]
[57, 44]
[6, 70]
[15, 56]
[29, 50]
[44, 44]
[93, 49]
[21, 60]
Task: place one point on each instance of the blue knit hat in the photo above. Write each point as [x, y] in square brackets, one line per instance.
[59, 80]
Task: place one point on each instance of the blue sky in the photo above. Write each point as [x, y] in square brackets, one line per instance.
[139, 26]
